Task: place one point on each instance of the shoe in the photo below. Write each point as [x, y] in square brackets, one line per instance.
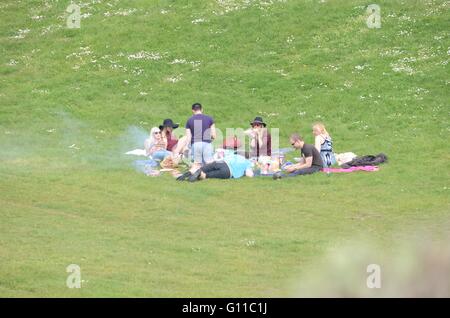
[195, 176]
[184, 176]
[277, 175]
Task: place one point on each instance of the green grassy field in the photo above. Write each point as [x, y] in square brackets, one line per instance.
[134, 63]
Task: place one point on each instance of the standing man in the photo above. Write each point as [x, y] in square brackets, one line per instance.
[310, 162]
[200, 131]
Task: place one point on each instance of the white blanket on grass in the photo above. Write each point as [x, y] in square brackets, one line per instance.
[136, 152]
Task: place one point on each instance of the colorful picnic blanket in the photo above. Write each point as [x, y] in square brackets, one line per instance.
[351, 169]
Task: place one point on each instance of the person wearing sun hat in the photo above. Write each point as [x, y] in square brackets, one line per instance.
[260, 139]
[167, 129]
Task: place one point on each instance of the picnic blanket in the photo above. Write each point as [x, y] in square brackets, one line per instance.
[351, 169]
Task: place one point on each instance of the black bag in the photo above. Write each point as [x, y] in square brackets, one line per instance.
[368, 160]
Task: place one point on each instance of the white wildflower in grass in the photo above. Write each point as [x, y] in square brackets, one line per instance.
[126, 82]
[331, 67]
[178, 61]
[51, 130]
[12, 62]
[197, 21]
[143, 93]
[250, 243]
[392, 52]
[20, 34]
[362, 67]
[301, 113]
[227, 6]
[195, 64]
[403, 65]
[290, 39]
[50, 29]
[40, 91]
[174, 79]
[120, 12]
[281, 72]
[164, 11]
[137, 71]
[143, 55]
[37, 17]
[348, 84]
[83, 51]
[404, 33]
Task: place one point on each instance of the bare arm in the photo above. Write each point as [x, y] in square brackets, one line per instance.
[318, 142]
[304, 163]
[213, 131]
[188, 136]
[307, 164]
[249, 173]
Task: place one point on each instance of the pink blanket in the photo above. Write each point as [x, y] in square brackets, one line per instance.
[361, 168]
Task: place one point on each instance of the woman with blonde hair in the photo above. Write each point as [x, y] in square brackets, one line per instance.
[323, 144]
[155, 145]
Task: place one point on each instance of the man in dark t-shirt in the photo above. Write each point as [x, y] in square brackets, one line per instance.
[201, 131]
[310, 162]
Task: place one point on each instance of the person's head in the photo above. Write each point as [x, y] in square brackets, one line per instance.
[258, 123]
[319, 129]
[197, 108]
[155, 133]
[168, 126]
[296, 141]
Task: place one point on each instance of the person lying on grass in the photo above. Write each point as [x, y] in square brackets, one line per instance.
[310, 162]
[232, 167]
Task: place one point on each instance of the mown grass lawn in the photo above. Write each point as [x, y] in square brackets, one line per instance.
[73, 101]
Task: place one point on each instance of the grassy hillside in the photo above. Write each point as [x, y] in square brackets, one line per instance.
[72, 101]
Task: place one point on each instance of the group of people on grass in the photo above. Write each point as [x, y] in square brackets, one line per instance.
[198, 142]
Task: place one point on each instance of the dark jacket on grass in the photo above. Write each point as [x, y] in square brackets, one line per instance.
[368, 160]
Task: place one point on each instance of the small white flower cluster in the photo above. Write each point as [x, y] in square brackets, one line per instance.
[290, 39]
[195, 64]
[266, 114]
[281, 72]
[21, 33]
[199, 20]
[120, 12]
[362, 67]
[174, 79]
[12, 62]
[332, 67]
[227, 6]
[143, 55]
[50, 29]
[37, 17]
[84, 51]
[392, 52]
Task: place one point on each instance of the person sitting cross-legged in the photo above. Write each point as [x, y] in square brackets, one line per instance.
[310, 162]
